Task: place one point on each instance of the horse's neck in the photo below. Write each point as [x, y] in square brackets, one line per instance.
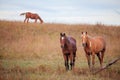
[89, 42]
[40, 19]
[67, 40]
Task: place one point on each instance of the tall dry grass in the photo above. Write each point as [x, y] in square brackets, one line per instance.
[32, 51]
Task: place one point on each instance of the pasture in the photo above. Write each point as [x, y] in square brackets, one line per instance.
[32, 51]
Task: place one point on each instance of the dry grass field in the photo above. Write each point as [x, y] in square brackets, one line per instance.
[32, 51]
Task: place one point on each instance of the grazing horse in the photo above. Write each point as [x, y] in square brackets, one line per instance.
[31, 16]
[92, 46]
[68, 45]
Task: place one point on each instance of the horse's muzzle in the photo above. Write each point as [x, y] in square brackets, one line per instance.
[62, 46]
[84, 44]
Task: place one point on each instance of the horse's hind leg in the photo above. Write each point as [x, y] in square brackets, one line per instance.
[102, 55]
[71, 60]
[93, 60]
[25, 20]
[74, 55]
[99, 57]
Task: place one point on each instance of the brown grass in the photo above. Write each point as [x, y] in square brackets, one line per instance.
[32, 51]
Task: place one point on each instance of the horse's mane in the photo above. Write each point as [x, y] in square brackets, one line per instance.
[89, 37]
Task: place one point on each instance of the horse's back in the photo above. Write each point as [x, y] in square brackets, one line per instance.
[72, 40]
[28, 14]
[31, 15]
[100, 39]
[100, 43]
[73, 43]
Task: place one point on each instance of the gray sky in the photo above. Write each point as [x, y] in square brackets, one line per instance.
[64, 11]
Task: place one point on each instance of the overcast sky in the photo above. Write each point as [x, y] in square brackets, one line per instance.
[64, 11]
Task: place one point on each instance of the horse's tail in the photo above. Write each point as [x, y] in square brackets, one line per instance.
[22, 14]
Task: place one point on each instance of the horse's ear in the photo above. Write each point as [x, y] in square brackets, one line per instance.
[64, 34]
[82, 32]
[60, 34]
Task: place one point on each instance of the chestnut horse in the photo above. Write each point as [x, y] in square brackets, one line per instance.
[92, 46]
[68, 45]
[31, 16]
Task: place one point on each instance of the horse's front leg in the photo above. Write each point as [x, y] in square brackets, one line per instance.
[35, 20]
[88, 60]
[66, 61]
[93, 60]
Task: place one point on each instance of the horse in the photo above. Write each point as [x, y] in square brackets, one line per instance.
[93, 46]
[31, 16]
[68, 46]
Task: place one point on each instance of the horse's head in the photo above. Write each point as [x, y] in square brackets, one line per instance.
[42, 21]
[84, 39]
[62, 40]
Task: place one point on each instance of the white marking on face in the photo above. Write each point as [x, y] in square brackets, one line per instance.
[84, 33]
[90, 44]
[62, 38]
[84, 36]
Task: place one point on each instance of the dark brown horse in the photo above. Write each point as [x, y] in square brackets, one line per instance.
[31, 16]
[93, 46]
[68, 45]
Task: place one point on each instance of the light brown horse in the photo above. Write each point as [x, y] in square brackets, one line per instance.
[31, 16]
[93, 46]
[68, 45]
